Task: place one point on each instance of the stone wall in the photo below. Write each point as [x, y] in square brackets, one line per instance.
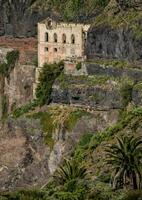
[60, 41]
[26, 46]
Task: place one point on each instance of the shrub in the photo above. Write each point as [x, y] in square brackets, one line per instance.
[24, 195]
[47, 77]
[79, 66]
[24, 109]
[11, 58]
[133, 195]
[126, 93]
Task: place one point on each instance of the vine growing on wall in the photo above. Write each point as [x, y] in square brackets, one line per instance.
[11, 59]
[47, 77]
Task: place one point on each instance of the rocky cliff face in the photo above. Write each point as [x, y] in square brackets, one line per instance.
[17, 87]
[115, 43]
[25, 159]
[16, 18]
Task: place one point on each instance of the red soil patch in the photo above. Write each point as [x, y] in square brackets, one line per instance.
[26, 46]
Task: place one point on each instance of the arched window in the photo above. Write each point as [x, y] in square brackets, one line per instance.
[64, 38]
[55, 49]
[55, 37]
[72, 39]
[46, 37]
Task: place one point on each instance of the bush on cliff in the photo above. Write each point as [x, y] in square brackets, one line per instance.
[47, 77]
[11, 58]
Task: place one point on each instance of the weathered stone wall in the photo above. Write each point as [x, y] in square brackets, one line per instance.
[56, 43]
[27, 48]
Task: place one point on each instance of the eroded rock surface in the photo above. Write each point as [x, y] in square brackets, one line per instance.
[25, 159]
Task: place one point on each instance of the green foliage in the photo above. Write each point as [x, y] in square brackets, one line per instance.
[102, 191]
[126, 160]
[119, 126]
[47, 77]
[70, 181]
[35, 62]
[69, 81]
[48, 126]
[24, 109]
[57, 119]
[80, 153]
[133, 195]
[43, 91]
[126, 93]
[107, 134]
[70, 170]
[79, 66]
[24, 195]
[11, 59]
[3, 68]
[73, 9]
[73, 117]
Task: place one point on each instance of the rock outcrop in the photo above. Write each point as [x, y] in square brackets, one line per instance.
[18, 20]
[26, 161]
[116, 43]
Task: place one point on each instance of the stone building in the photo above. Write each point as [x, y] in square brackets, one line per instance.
[61, 41]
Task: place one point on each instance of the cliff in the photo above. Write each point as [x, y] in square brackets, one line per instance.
[87, 108]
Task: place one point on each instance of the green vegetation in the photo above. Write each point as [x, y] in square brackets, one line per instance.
[79, 66]
[133, 195]
[57, 118]
[11, 58]
[121, 64]
[69, 81]
[75, 178]
[126, 160]
[69, 181]
[70, 171]
[47, 77]
[24, 195]
[115, 17]
[126, 92]
[24, 109]
[72, 10]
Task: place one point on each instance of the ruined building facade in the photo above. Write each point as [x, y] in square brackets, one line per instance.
[61, 41]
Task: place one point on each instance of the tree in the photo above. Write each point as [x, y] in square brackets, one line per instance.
[125, 157]
[71, 170]
[69, 181]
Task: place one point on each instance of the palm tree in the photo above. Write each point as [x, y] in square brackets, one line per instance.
[126, 160]
[70, 170]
